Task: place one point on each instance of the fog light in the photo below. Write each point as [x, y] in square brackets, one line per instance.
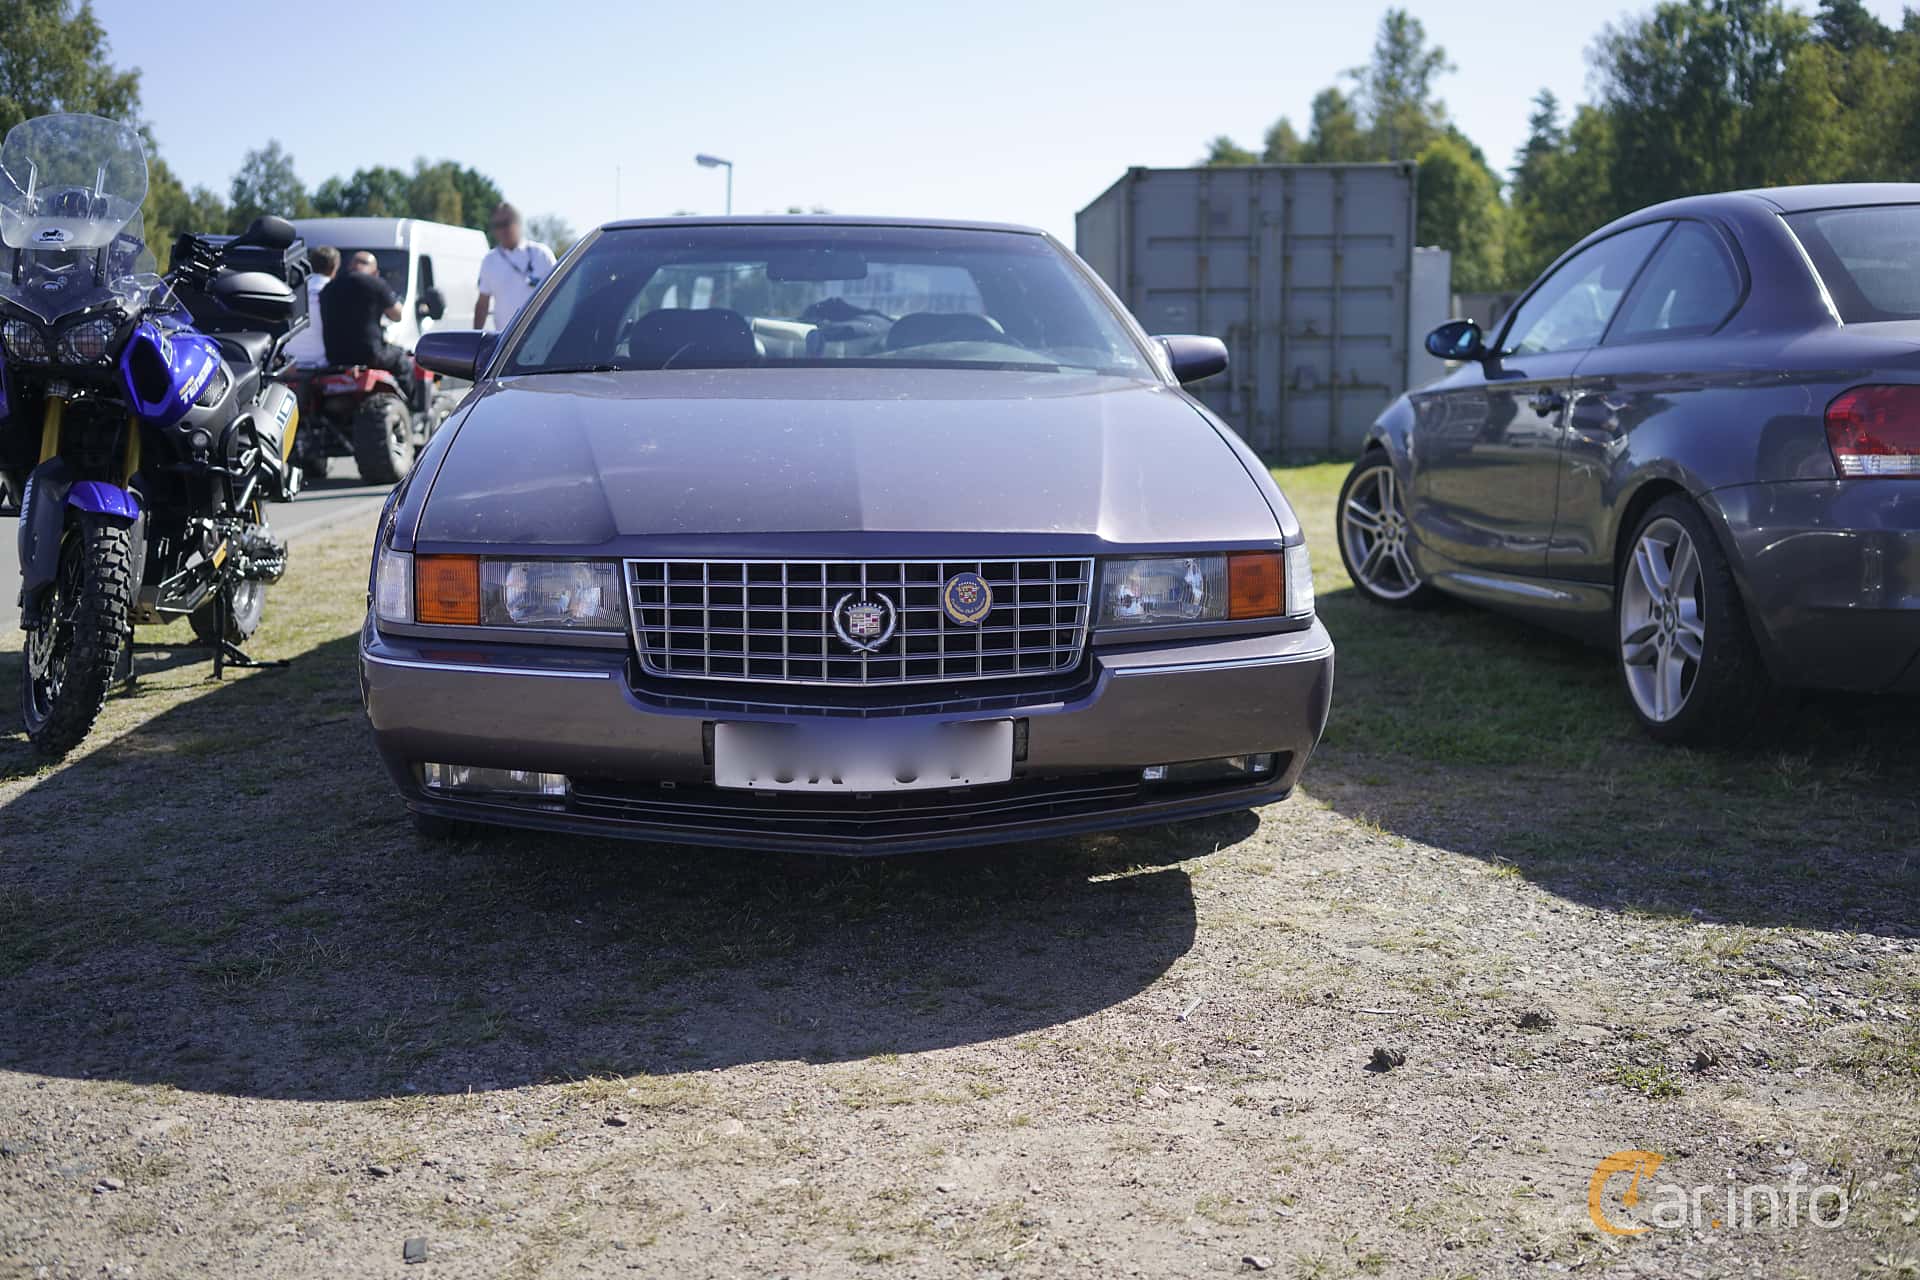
[1223, 769]
[468, 780]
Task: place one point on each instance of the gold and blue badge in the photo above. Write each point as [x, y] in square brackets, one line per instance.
[966, 598]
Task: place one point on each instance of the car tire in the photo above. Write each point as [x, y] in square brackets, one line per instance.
[1684, 648]
[383, 439]
[1375, 538]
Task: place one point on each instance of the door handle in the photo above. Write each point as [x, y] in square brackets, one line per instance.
[1547, 403]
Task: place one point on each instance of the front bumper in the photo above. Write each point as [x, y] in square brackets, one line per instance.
[637, 753]
[1831, 574]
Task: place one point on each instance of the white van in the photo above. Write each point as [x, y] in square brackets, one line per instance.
[415, 256]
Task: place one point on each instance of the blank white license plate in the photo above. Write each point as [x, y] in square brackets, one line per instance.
[861, 755]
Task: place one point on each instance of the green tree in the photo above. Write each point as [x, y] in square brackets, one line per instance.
[1395, 94]
[434, 195]
[1334, 134]
[1847, 25]
[558, 234]
[266, 183]
[1224, 151]
[1697, 96]
[1460, 210]
[1281, 145]
[53, 57]
[479, 195]
[378, 192]
[1563, 191]
[171, 208]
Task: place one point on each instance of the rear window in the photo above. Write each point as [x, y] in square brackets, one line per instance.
[1868, 257]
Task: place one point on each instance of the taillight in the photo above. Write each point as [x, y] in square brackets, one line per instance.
[1875, 431]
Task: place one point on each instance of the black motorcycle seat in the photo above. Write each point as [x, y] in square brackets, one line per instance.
[246, 349]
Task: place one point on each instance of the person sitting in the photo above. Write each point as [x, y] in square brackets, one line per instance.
[351, 309]
[308, 349]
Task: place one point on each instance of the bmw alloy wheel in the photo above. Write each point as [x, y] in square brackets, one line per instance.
[1373, 533]
[1663, 630]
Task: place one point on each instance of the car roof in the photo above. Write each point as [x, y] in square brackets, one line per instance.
[817, 220]
[1825, 195]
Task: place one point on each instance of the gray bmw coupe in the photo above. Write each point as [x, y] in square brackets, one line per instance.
[1695, 440]
[842, 535]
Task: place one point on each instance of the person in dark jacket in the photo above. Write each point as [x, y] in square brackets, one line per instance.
[351, 309]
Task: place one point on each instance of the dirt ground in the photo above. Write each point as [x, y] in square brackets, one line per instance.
[249, 1025]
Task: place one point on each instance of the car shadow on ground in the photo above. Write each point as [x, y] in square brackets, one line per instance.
[229, 899]
[1484, 736]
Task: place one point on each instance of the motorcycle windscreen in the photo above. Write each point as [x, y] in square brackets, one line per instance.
[70, 194]
[69, 182]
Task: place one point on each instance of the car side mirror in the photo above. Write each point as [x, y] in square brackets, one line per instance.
[455, 353]
[432, 304]
[1457, 340]
[1194, 356]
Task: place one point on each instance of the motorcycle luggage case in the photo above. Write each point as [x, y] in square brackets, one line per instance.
[288, 265]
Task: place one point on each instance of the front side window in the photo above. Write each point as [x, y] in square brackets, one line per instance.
[1690, 286]
[1868, 257]
[727, 297]
[1571, 310]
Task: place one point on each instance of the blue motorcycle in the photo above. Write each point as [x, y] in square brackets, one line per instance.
[140, 424]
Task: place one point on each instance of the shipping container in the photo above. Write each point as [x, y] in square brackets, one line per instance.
[1305, 271]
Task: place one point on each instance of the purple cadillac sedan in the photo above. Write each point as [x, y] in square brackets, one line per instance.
[846, 535]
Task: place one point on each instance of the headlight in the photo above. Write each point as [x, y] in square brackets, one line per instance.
[88, 342]
[1173, 590]
[556, 594]
[393, 586]
[24, 342]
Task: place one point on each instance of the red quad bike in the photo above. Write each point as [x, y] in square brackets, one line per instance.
[366, 414]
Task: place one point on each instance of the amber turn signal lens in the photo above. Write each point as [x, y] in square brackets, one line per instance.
[446, 589]
[1256, 584]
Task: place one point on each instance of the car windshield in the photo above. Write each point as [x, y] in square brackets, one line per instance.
[1868, 257]
[754, 296]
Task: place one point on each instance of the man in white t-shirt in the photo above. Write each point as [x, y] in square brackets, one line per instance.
[510, 272]
[307, 347]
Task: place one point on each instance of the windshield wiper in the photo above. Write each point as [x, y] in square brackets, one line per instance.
[572, 368]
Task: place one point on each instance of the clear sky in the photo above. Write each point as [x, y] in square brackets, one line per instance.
[1018, 110]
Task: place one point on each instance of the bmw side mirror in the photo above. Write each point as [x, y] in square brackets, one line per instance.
[1457, 340]
[432, 304]
[1193, 356]
[455, 353]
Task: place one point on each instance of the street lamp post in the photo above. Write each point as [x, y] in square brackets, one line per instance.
[715, 162]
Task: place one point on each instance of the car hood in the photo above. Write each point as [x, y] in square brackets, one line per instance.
[702, 459]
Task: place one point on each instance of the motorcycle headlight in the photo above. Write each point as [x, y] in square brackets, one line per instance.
[24, 342]
[556, 594]
[88, 342]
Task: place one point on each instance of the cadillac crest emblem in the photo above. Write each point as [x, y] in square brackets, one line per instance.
[864, 625]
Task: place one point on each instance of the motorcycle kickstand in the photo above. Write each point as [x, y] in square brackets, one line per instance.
[225, 652]
[228, 654]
